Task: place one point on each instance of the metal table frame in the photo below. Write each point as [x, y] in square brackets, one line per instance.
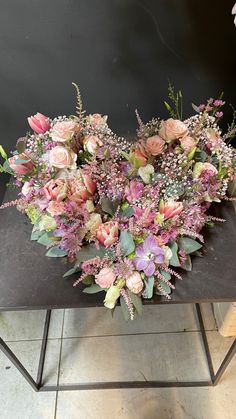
[38, 384]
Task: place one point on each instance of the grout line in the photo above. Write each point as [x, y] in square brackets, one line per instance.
[118, 334]
[59, 363]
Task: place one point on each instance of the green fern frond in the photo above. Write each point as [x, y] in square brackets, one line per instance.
[79, 105]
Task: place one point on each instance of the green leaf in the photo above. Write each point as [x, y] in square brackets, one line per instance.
[45, 239]
[174, 261]
[188, 245]
[127, 212]
[109, 206]
[127, 242]
[71, 271]
[7, 168]
[20, 161]
[195, 108]
[148, 290]
[188, 264]
[36, 234]
[137, 302]
[88, 280]
[93, 289]
[125, 155]
[124, 308]
[200, 155]
[3, 153]
[56, 252]
[165, 287]
[166, 275]
[90, 252]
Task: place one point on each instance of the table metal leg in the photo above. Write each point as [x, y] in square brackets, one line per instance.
[43, 348]
[215, 377]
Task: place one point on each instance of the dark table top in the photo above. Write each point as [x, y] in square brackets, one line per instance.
[30, 280]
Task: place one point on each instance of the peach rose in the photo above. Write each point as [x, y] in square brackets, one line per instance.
[172, 129]
[91, 143]
[135, 283]
[105, 278]
[64, 131]
[62, 157]
[81, 187]
[187, 143]
[55, 189]
[97, 120]
[171, 208]
[55, 208]
[155, 145]
[23, 168]
[107, 234]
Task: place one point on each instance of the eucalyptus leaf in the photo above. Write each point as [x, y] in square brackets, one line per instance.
[166, 275]
[188, 264]
[188, 245]
[93, 289]
[90, 252]
[36, 234]
[56, 252]
[174, 261]
[126, 242]
[21, 161]
[127, 212]
[165, 287]
[21, 146]
[109, 206]
[124, 308]
[148, 290]
[45, 239]
[88, 280]
[137, 302]
[7, 168]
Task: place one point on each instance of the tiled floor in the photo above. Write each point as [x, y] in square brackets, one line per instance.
[96, 347]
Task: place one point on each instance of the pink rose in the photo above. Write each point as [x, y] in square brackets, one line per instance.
[39, 123]
[64, 131]
[155, 145]
[55, 189]
[135, 283]
[97, 120]
[187, 143]
[81, 187]
[55, 208]
[23, 168]
[213, 139]
[91, 143]
[62, 157]
[107, 233]
[208, 167]
[147, 219]
[172, 129]
[105, 278]
[170, 209]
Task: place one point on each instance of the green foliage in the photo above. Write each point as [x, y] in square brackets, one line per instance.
[188, 264]
[127, 212]
[176, 108]
[126, 242]
[148, 290]
[137, 302]
[109, 206]
[164, 286]
[3, 153]
[56, 252]
[93, 289]
[124, 308]
[71, 271]
[188, 245]
[90, 252]
[21, 146]
[174, 261]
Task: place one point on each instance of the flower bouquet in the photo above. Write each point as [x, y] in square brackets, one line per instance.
[126, 214]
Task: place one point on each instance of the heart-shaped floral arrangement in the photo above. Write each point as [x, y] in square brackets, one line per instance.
[124, 213]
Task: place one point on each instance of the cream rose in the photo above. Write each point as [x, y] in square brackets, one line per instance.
[62, 157]
[64, 131]
[55, 208]
[91, 143]
[135, 283]
[93, 223]
[187, 143]
[172, 129]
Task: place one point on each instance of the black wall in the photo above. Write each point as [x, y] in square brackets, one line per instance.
[121, 52]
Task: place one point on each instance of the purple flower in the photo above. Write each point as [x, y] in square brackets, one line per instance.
[218, 103]
[147, 255]
[201, 107]
[219, 114]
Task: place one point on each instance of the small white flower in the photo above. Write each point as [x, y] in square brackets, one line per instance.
[234, 13]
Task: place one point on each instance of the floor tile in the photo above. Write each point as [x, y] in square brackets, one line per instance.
[17, 399]
[133, 357]
[170, 318]
[28, 325]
